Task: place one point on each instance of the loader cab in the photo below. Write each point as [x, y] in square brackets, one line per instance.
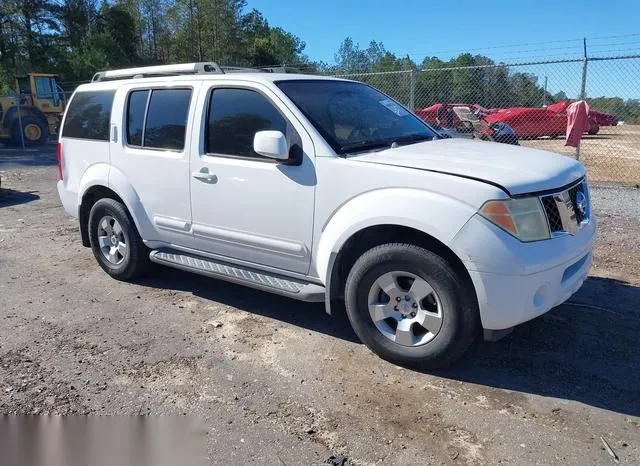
[42, 90]
[33, 113]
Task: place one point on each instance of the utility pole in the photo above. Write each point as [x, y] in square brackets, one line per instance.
[544, 96]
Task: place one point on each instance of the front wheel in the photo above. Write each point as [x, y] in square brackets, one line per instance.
[409, 306]
[115, 241]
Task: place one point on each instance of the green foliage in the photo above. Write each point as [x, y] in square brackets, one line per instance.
[77, 38]
[625, 110]
[5, 81]
[464, 79]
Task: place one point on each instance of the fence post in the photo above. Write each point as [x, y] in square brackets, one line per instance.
[583, 86]
[20, 128]
[412, 90]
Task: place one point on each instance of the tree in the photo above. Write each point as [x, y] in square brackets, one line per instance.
[560, 96]
[76, 38]
[115, 35]
[352, 59]
[625, 110]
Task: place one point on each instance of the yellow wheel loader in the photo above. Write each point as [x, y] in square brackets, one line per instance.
[32, 115]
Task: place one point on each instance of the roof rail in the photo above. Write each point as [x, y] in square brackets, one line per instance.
[240, 69]
[160, 70]
[281, 69]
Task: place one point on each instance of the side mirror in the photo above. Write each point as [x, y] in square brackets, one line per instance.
[272, 144]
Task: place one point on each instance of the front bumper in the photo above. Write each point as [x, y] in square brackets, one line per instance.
[516, 282]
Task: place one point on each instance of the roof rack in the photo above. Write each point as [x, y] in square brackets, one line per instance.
[240, 69]
[186, 69]
[284, 68]
[160, 70]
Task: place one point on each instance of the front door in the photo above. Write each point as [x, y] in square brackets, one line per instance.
[246, 207]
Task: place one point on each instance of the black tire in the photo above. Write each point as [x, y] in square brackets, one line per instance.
[460, 316]
[26, 121]
[136, 261]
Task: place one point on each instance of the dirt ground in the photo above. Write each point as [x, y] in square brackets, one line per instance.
[611, 156]
[279, 382]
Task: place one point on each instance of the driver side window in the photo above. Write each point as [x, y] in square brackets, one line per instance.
[235, 116]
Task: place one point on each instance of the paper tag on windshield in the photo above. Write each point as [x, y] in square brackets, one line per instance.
[394, 107]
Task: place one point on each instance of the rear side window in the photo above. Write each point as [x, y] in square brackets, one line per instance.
[135, 117]
[235, 116]
[89, 115]
[158, 121]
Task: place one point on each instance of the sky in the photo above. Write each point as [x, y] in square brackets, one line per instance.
[421, 28]
[509, 31]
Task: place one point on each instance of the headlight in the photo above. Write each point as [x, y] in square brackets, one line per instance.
[524, 218]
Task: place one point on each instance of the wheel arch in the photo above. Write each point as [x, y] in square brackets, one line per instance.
[418, 216]
[92, 195]
[113, 185]
[341, 261]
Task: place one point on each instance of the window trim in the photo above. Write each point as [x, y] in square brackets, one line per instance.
[258, 158]
[150, 90]
[66, 115]
[126, 117]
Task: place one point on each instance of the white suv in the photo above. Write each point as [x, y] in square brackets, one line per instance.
[323, 189]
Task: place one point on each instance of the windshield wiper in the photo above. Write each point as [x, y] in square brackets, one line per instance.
[364, 145]
[383, 143]
[411, 139]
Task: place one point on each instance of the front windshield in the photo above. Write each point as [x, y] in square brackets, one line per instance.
[352, 116]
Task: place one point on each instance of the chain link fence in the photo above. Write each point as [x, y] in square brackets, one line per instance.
[530, 101]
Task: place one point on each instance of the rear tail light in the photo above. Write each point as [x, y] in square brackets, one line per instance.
[59, 156]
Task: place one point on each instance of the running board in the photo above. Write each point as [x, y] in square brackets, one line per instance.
[293, 288]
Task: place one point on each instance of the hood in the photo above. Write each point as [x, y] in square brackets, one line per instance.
[515, 169]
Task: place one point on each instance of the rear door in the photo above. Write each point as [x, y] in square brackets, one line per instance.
[149, 150]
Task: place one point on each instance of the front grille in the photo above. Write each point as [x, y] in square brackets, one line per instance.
[567, 211]
[553, 216]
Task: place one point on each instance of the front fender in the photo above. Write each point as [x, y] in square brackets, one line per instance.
[432, 213]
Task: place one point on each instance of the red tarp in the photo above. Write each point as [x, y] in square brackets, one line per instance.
[577, 122]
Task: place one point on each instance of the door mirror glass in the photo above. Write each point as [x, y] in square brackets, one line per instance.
[271, 144]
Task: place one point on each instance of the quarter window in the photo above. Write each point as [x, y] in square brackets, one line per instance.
[89, 115]
[159, 121]
[235, 116]
[135, 116]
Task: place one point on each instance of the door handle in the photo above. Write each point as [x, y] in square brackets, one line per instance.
[205, 176]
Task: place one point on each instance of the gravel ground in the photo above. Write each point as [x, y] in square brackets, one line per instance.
[279, 382]
[611, 156]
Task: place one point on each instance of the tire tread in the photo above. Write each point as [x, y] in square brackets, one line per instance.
[138, 262]
[441, 354]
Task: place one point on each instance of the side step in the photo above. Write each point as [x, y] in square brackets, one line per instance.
[293, 288]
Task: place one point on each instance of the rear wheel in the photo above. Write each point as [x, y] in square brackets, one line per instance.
[30, 129]
[408, 305]
[115, 241]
